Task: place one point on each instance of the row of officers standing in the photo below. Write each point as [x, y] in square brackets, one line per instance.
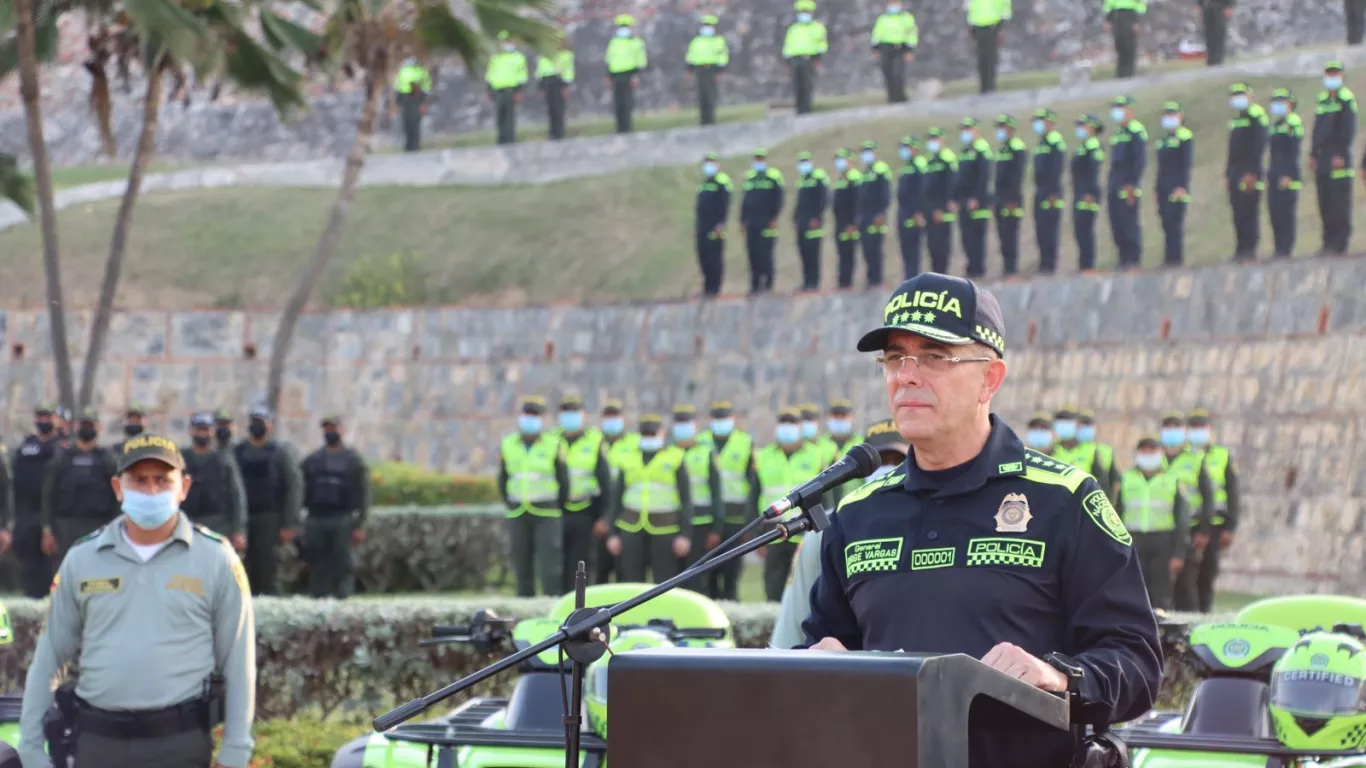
[55, 490]
[938, 188]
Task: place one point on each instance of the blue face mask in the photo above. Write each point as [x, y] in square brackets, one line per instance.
[651, 444]
[803, 17]
[709, 169]
[810, 429]
[905, 153]
[684, 430]
[841, 164]
[787, 434]
[1039, 439]
[1082, 133]
[966, 137]
[529, 424]
[1238, 102]
[623, 31]
[149, 510]
[571, 421]
[1086, 433]
[1280, 108]
[1171, 122]
[708, 31]
[1001, 135]
[934, 146]
[759, 167]
[1065, 429]
[1332, 83]
[722, 427]
[1039, 127]
[804, 167]
[1148, 461]
[868, 157]
[1198, 436]
[1117, 114]
[613, 425]
[839, 427]
[1173, 437]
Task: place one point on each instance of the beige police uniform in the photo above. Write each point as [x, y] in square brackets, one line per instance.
[146, 636]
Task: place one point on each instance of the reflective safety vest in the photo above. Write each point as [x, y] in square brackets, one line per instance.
[1149, 503]
[698, 461]
[620, 450]
[1216, 466]
[651, 492]
[779, 473]
[1186, 467]
[733, 461]
[581, 457]
[532, 485]
[506, 69]
[1084, 457]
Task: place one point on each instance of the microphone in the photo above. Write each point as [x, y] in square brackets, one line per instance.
[861, 461]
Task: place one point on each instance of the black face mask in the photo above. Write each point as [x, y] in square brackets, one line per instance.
[45, 427]
[86, 433]
[201, 441]
[257, 430]
[224, 434]
[132, 430]
[332, 438]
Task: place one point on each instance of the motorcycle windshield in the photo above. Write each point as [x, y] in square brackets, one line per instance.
[1317, 693]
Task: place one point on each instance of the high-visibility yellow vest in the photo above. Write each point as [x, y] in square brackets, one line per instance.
[559, 64]
[698, 461]
[733, 461]
[532, 485]
[779, 473]
[581, 457]
[1186, 467]
[626, 54]
[650, 501]
[506, 69]
[1149, 503]
[1084, 456]
[1216, 466]
[620, 450]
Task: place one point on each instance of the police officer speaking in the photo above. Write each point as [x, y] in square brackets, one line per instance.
[1020, 559]
[154, 611]
[337, 496]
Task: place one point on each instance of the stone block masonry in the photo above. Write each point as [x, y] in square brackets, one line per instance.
[1276, 351]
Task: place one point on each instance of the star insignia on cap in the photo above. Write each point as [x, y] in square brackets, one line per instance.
[929, 317]
[903, 317]
[915, 317]
[1035, 459]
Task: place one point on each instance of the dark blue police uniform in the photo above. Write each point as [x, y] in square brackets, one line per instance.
[1010, 547]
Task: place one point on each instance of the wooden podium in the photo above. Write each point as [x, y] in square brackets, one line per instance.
[707, 708]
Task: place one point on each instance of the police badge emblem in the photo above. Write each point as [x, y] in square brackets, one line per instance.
[1013, 516]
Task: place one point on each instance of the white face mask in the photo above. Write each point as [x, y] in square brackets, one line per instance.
[934, 145]
[1039, 126]
[1238, 102]
[623, 31]
[868, 157]
[1117, 114]
[1171, 122]
[1148, 462]
[708, 31]
[803, 17]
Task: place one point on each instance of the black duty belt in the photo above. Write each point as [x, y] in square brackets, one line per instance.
[192, 715]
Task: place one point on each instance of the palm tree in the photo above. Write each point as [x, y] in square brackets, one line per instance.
[366, 38]
[166, 37]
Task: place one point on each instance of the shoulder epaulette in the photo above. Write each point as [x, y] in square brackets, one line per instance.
[948, 156]
[1042, 468]
[855, 175]
[211, 534]
[1183, 133]
[775, 174]
[95, 534]
[982, 145]
[1294, 119]
[1016, 143]
[819, 174]
[867, 489]
[722, 179]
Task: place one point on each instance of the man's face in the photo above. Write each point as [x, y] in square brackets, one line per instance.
[202, 436]
[152, 477]
[928, 404]
[133, 420]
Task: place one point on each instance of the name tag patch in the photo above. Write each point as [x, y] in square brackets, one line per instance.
[929, 559]
[186, 584]
[1025, 553]
[872, 555]
[99, 586]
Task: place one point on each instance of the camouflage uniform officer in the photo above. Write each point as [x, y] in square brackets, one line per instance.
[148, 608]
[216, 499]
[274, 489]
[337, 496]
[77, 496]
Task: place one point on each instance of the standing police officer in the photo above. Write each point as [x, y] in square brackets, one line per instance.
[77, 496]
[533, 479]
[895, 37]
[803, 47]
[781, 466]
[28, 468]
[713, 208]
[1175, 160]
[1215, 15]
[1010, 172]
[132, 425]
[412, 86]
[708, 56]
[1086, 164]
[734, 449]
[149, 608]
[554, 74]
[874, 198]
[1155, 512]
[1121, 18]
[844, 208]
[974, 195]
[1129, 155]
[1096, 460]
[337, 497]
[704, 477]
[505, 77]
[1330, 157]
[1283, 171]
[759, 209]
[808, 218]
[836, 442]
[626, 59]
[1050, 161]
[652, 508]
[986, 20]
[1086, 438]
[1243, 173]
[274, 487]
[1225, 511]
[217, 499]
[1188, 467]
[941, 189]
[616, 442]
[222, 428]
[910, 204]
[590, 476]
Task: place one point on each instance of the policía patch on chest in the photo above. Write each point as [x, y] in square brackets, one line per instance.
[99, 586]
[872, 555]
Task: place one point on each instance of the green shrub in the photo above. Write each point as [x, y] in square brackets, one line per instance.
[398, 484]
[361, 656]
[400, 279]
[298, 742]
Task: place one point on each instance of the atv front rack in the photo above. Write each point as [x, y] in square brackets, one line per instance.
[1148, 738]
[465, 728]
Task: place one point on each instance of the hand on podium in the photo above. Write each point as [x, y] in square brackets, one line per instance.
[828, 644]
[1028, 668]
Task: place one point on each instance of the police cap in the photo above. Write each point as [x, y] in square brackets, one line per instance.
[1007, 121]
[1171, 108]
[223, 415]
[761, 152]
[1239, 88]
[804, 156]
[1283, 93]
[1066, 412]
[969, 122]
[1122, 101]
[1044, 113]
[153, 447]
[1173, 417]
[684, 412]
[136, 409]
[650, 423]
[790, 415]
[810, 411]
[949, 310]
[884, 437]
[1148, 441]
[869, 144]
[841, 405]
[201, 419]
[805, 5]
[571, 402]
[533, 404]
[720, 409]
[503, 35]
[611, 407]
[331, 420]
[935, 133]
[1086, 416]
[911, 141]
[712, 156]
[1333, 65]
[89, 415]
[260, 413]
[625, 20]
[710, 20]
[1197, 418]
[45, 408]
[1041, 419]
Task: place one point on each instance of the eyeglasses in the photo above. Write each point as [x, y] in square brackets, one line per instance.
[892, 362]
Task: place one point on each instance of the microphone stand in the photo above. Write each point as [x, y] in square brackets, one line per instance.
[583, 638]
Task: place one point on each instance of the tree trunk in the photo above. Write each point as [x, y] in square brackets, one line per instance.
[42, 177]
[118, 244]
[327, 244]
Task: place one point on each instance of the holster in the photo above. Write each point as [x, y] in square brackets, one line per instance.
[215, 696]
[1101, 749]
[59, 724]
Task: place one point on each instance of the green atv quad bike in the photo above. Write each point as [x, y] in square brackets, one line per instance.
[9, 705]
[1275, 690]
[526, 730]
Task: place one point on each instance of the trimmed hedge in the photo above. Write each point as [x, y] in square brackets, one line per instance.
[398, 484]
[362, 655]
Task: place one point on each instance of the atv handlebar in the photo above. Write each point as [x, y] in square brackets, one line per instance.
[450, 630]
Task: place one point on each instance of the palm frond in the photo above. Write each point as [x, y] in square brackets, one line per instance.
[441, 31]
[15, 185]
[256, 68]
[524, 20]
[283, 34]
[44, 33]
[181, 32]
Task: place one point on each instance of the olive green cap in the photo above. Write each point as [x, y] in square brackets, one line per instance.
[1173, 417]
[1172, 107]
[684, 412]
[222, 414]
[720, 409]
[969, 122]
[89, 414]
[611, 406]
[1283, 93]
[533, 404]
[935, 133]
[804, 156]
[571, 402]
[1066, 412]
[1041, 417]
[841, 405]
[761, 152]
[1148, 441]
[45, 408]
[136, 409]
[710, 20]
[1197, 417]
[331, 420]
[1007, 121]
[1122, 101]
[1086, 416]
[649, 420]
[1239, 88]
[790, 414]
[1334, 65]
[869, 144]
[810, 411]
[1046, 114]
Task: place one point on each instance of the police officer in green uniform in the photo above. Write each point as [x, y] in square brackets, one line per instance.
[28, 468]
[874, 198]
[1175, 163]
[626, 59]
[617, 442]
[554, 75]
[734, 449]
[1011, 158]
[1089, 456]
[708, 56]
[941, 202]
[712, 211]
[590, 477]
[1087, 162]
[974, 194]
[1050, 161]
[808, 218]
[1040, 433]
[77, 496]
[759, 210]
[1330, 158]
[910, 204]
[844, 209]
[337, 497]
[1215, 15]
[704, 478]
[839, 437]
[412, 86]
[986, 22]
[1122, 20]
[652, 508]
[806, 42]
[133, 426]
[1156, 514]
[1128, 158]
[1086, 436]
[533, 478]
[155, 613]
[781, 466]
[505, 76]
[811, 424]
[1188, 467]
[1197, 593]
[223, 428]
[274, 488]
[895, 37]
[216, 499]
[1243, 175]
[1284, 175]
